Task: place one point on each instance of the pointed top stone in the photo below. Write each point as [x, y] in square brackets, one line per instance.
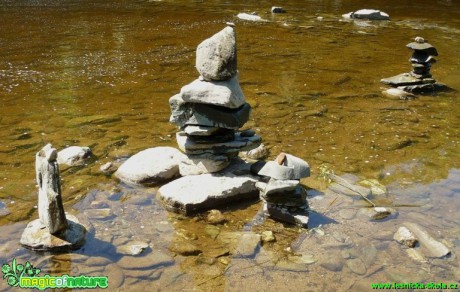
[420, 44]
[216, 56]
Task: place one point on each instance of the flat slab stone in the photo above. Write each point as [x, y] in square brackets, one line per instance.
[239, 144]
[226, 93]
[199, 114]
[200, 164]
[296, 216]
[201, 130]
[37, 237]
[370, 14]
[401, 79]
[433, 248]
[190, 194]
[151, 166]
[275, 186]
[152, 260]
[216, 56]
[249, 17]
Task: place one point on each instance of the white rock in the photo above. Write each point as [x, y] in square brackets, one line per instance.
[433, 248]
[203, 192]
[257, 153]
[301, 167]
[404, 236]
[250, 17]
[216, 56]
[370, 14]
[398, 93]
[151, 166]
[73, 155]
[276, 171]
[226, 93]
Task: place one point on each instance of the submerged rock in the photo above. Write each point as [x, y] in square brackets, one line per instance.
[133, 248]
[216, 56]
[151, 166]
[434, 248]
[205, 163]
[73, 155]
[184, 248]
[215, 217]
[248, 245]
[250, 17]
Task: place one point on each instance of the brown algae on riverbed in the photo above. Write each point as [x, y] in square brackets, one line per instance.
[100, 75]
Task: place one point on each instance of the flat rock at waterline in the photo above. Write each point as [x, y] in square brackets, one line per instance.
[37, 237]
[195, 193]
[200, 164]
[151, 166]
[238, 144]
[226, 93]
[370, 14]
[216, 56]
[248, 245]
[434, 248]
[187, 113]
[73, 155]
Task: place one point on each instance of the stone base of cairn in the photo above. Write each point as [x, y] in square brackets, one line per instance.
[210, 110]
[285, 199]
[419, 80]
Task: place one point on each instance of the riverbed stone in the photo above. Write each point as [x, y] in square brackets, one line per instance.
[73, 155]
[115, 275]
[151, 260]
[187, 113]
[405, 237]
[132, 248]
[248, 245]
[184, 248]
[4, 209]
[278, 9]
[238, 144]
[215, 217]
[249, 17]
[193, 130]
[37, 236]
[216, 56]
[226, 93]
[190, 194]
[267, 236]
[151, 166]
[432, 247]
[276, 187]
[356, 266]
[370, 14]
[205, 163]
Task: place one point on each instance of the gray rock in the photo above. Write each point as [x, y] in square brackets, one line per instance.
[50, 207]
[301, 167]
[115, 274]
[275, 186]
[248, 245]
[332, 262]
[247, 133]
[405, 237]
[274, 170]
[37, 236]
[73, 155]
[200, 130]
[108, 168]
[421, 45]
[294, 198]
[434, 248]
[398, 93]
[216, 56]
[291, 215]
[190, 194]
[205, 163]
[151, 260]
[370, 14]
[151, 166]
[226, 93]
[238, 144]
[344, 190]
[186, 113]
[401, 80]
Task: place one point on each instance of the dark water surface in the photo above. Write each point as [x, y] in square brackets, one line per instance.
[100, 73]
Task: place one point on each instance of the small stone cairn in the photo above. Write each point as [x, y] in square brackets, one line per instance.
[283, 196]
[211, 109]
[54, 230]
[419, 80]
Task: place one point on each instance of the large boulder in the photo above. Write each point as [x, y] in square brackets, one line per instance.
[216, 56]
[187, 113]
[191, 194]
[151, 166]
[226, 93]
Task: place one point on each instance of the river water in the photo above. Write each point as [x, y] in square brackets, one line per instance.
[100, 73]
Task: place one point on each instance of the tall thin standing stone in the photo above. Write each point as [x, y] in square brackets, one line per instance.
[50, 207]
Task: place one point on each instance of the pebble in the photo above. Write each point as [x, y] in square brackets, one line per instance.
[405, 237]
[133, 248]
[267, 236]
[215, 217]
[356, 266]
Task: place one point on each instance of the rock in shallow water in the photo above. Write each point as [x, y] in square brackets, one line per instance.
[434, 248]
[151, 166]
[73, 155]
[404, 236]
[195, 193]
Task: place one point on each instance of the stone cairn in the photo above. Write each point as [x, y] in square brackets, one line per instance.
[54, 230]
[283, 196]
[419, 79]
[212, 108]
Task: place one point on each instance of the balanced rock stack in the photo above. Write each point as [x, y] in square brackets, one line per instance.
[212, 108]
[283, 196]
[419, 79]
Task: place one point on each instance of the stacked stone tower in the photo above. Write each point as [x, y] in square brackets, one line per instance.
[210, 110]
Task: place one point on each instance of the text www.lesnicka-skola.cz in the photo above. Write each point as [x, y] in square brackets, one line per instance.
[410, 285]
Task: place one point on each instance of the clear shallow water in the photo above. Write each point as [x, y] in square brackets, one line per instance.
[100, 74]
